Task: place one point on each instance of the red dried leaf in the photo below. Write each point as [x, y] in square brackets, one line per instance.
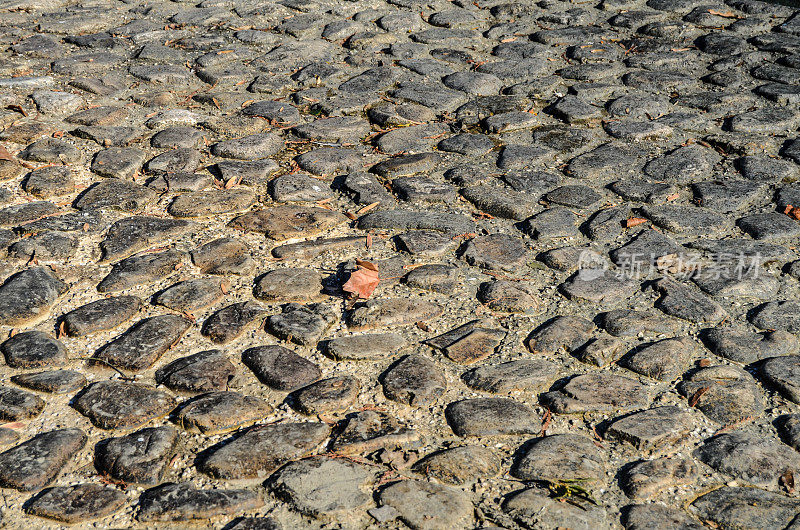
[697, 395]
[4, 154]
[363, 281]
[634, 221]
[792, 211]
[723, 14]
[367, 265]
[787, 481]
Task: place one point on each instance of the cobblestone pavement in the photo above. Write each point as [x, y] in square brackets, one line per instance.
[399, 264]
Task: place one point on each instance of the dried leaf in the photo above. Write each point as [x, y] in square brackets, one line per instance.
[13, 425]
[422, 325]
[4, 154]
[17, 108]
[787, 481]
[368, 207]
[634, 221]
[697, 395]
[723, 14]
[363, 281]
[547, 418]
[792, 211]
[367, 265]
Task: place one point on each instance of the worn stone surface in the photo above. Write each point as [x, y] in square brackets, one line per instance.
[525, 375]
[140, 457]
[748, 347]
[741, 507]
[460, 465]
[427, 505]
[33, 349]
[750, 458]
[641, 516]
[132, 234]
[205, 371]
[598, 391]
[36, 462]
[580, 207]
[287, 222]
[28, 295]
[491, 416]
[19, 405]
[725, 394]
[467, 344]
[101, 315]
[53, 381]
[327, 395]
[653, 428]
[560, 457]
[645, 479]
[191, 295]
[568, 332]
[263, 449]
[143, 343]
[223, 256]
[78, 503]
[231, 321]
[784, 374]
[280, 368]
[365, 346]
[383, 312]
[140, 269]
[306, 485]
[221, 411]
[533, 508]
[303, 324]
[663, 360]
[122, 405]
[182, 502]
[368, 431]
[415, 380]
[289, 285]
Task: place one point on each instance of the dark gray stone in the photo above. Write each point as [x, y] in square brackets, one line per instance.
[205, 371]
[414, 380]
[101, 315]
[140, 457]
[220, 412]
[597, 391]
[182, 502]
[33, 349]
[36, 462]
[27, 296]
[742, 507]
[76, 503]
[725, 394]
[491, 417]
[54, 381]
[263, 449]
[280, 368]
[144, 342]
